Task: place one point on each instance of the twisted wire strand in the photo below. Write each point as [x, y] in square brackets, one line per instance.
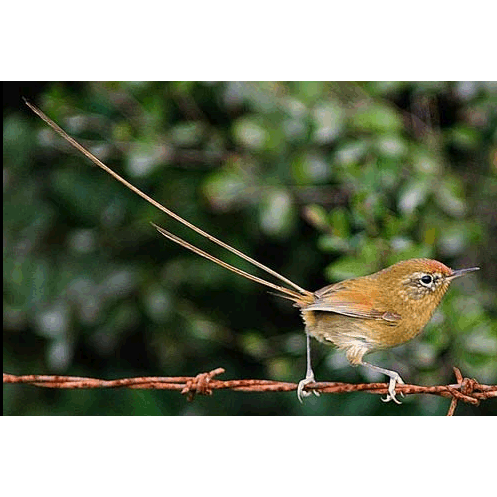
[466, 389]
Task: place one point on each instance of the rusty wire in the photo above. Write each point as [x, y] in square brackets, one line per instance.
[466, 389]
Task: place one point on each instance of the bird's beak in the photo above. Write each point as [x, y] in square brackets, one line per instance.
[460, 272]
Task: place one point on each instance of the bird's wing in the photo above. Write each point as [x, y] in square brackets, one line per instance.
[350, 301]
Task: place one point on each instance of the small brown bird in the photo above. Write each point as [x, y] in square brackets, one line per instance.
[358, 316]
[376, 312]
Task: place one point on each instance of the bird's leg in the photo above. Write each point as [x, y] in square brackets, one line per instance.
[394, 379]
[309, 375]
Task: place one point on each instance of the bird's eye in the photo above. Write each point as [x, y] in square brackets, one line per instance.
[426, 279]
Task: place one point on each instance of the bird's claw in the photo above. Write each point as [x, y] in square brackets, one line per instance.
[304, 393]
[392, 395]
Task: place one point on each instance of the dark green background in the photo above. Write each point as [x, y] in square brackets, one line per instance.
[320, 181]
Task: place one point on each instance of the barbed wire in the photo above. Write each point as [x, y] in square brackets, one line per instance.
[466, 389]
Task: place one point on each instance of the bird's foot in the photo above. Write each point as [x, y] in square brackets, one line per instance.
[392, 395]
[302, 383]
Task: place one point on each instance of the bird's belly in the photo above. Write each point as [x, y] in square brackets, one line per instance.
[356, 336]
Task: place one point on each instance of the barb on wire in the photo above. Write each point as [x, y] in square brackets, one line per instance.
[466, 389]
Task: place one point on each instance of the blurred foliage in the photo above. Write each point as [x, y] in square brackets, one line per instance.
[320, 181]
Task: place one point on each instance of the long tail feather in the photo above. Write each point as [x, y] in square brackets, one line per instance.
[293, 295]
[213, 239]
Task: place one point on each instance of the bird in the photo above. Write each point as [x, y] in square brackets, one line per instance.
[358, 315]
